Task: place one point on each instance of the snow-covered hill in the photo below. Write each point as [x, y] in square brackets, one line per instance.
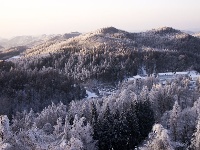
[164, 33]
[109, 36]
[107, 62]
[162, 39]
[12, 52]
[170, 39]
[106, 37]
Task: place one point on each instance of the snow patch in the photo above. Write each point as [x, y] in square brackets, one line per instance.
[13, 58]
[144, 72]
[16, 57]
[90, 94]
[135, 78]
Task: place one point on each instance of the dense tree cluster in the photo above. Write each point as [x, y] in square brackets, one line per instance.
[119, 121]
[168, 39]
[13, 51]
[109, 64]
[114, 54]
[26, 89]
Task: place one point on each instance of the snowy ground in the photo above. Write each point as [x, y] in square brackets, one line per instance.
[135, 78]
[90, 94]
[13, 58]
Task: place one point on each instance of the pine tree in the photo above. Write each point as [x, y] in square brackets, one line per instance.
[174, 120]
[116, 130]
[158, 139]
[67, 128]
[74, 144]
[105, 130]
[195, 142]
[124, 131]
[5, 132]
[145, 118]
[94, 120]
[133, 125]
[83, 131]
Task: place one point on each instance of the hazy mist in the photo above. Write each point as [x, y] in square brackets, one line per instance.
[33, 17]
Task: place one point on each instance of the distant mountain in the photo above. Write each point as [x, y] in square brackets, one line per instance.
[22, 41]
[31, 41]
[1, 47]
[164, 31]
[2, 41]
[19, 44]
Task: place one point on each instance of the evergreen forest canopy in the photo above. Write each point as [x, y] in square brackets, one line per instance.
[42, 93]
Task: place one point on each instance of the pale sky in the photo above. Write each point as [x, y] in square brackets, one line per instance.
[34, 17]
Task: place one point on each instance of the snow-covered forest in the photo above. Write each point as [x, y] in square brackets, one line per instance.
[142, 114]
[44, 101]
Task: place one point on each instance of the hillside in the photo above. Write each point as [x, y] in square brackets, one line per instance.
[105, 36]
[107, 55]
[157, 39]
[19, 44]
[117, 53]
[11, 52]
[169, 39]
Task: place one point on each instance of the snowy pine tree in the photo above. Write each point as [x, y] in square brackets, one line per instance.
[174, 121]
[195, 142]
[158, 139]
